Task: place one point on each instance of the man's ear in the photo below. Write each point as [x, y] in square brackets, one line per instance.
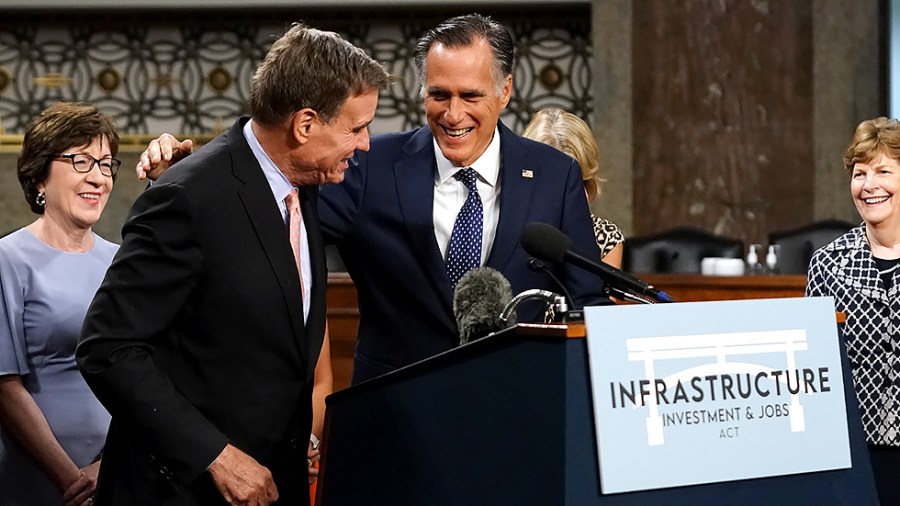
[506, 92]
[302, 124]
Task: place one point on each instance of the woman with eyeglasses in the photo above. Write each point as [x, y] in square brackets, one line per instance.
[52, 428]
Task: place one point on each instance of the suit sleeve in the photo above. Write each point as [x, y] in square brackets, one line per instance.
[585, 288]
[13, 347]
[339, 203]
[151, 278]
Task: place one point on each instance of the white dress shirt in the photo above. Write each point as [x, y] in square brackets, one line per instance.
[450, 195]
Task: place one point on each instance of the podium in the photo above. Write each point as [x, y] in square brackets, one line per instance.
[508, 420]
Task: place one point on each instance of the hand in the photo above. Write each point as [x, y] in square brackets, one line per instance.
[242, 480]
[312, 458]
[81, 491]
[160, 154]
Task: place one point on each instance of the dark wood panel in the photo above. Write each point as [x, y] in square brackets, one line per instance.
[696, 287]
[723, 116]
[343, 326]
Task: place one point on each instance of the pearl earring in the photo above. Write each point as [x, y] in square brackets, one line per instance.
[40, 199]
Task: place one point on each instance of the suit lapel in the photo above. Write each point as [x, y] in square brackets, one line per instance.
[414, 176]
[308, 203]
[515, 197]
[861, 272]
[260, 206]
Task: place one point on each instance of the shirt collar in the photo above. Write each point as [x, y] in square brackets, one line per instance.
[855, 239]
[279, 183]
[487, 165]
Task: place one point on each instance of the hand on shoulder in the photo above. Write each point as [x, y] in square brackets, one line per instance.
[160, 154]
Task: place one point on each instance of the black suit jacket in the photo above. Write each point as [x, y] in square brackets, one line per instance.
[196, 336]
[381, 218]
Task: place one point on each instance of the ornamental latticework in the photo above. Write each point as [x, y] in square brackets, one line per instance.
[191, 74]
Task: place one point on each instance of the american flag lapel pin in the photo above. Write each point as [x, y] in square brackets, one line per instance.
[528, 173]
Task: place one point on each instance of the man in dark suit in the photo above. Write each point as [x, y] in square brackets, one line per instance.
[393, 216]
[203, 338]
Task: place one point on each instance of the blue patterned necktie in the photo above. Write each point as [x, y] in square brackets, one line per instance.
[464, 252]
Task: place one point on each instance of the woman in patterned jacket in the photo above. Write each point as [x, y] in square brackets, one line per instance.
[861, 270]
[571, 135]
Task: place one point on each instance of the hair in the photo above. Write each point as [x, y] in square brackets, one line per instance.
[58, 128]
[571, 135]
[873, 136]
[309, 68]
[463, 31]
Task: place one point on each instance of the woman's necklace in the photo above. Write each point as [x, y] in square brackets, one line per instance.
[889, 269]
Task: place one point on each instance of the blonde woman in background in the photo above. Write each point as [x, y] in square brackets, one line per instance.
[571, 135]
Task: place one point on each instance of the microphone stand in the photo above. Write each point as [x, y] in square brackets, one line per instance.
[554, 301]
[618, 293]
[538, 266]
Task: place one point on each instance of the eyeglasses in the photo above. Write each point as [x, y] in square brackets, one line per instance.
[85, 163]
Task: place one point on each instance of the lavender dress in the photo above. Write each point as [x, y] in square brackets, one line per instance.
[44, 295]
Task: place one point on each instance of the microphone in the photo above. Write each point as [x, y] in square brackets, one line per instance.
[547, 243]
[478, 300]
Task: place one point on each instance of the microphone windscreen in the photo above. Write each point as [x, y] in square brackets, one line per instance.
[479, 298]
[545, 242]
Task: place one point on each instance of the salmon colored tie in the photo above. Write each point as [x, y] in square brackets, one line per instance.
[295, 222]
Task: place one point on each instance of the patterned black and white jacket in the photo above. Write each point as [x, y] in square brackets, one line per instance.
[845, 270]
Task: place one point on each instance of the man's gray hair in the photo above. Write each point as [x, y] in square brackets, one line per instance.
[311, 68]
[463, 31]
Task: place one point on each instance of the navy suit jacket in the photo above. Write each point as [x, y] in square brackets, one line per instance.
[196, 337]
[382, 222]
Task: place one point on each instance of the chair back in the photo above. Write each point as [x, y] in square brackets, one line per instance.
[677, 250]
[797, 245]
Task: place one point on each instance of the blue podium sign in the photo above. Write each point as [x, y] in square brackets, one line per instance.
[705, 392]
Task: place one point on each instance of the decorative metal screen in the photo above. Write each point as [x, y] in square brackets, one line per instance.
[191, 74]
